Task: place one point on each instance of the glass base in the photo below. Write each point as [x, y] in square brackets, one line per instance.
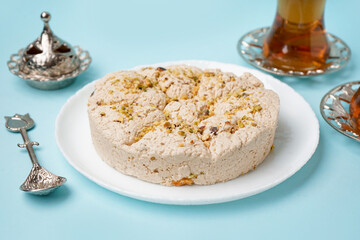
[250, 48]
[334, 108]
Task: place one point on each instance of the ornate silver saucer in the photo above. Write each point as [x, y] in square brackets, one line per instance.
[40, 181]
[334, 108]
[251, 50]
[49, 62]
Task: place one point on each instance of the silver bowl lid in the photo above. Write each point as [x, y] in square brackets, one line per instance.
[48, 55]
[49, 62]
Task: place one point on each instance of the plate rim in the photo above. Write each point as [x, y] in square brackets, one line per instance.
[178, 201]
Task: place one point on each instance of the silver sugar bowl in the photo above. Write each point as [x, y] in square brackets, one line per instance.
[49, 62]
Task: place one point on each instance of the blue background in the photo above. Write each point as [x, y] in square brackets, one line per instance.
[321, 201]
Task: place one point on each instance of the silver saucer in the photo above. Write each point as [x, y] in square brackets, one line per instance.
[49, 83]
[334, 108]
[251, 50]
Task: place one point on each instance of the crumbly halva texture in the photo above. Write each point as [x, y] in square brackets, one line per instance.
[181, 125]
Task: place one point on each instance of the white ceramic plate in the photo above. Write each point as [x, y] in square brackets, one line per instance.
[296, 139]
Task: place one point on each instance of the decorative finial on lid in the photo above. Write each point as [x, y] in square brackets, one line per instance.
[49, 59]
[45, 16]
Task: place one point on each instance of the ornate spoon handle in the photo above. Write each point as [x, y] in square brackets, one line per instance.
[29, 146]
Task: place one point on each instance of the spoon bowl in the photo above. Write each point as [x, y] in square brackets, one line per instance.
[41, 182]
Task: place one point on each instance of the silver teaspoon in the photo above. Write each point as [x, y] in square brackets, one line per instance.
[40, 181]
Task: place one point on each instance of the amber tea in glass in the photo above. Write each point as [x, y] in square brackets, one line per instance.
[297, 39]
[354, 109]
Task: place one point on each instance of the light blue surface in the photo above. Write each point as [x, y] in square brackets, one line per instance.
[321, 201]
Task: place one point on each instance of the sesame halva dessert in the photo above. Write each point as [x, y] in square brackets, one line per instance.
[182, 125]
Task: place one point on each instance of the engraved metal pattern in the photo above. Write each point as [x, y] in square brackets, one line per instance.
[251, 50]
[40, 181]
[49, 62]
[335, 110]
[47, 83]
